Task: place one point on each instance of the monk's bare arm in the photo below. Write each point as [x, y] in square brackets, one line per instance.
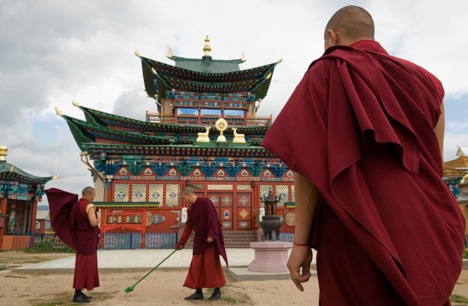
[307, 200]
[93, 219]
[440, 130]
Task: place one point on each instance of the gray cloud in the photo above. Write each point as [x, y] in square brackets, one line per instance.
[53, 52]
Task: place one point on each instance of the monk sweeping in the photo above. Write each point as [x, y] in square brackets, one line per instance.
[208, 244]
[364, 132]
[76, 223]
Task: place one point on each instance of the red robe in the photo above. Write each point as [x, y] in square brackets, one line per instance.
[71, 223]
[360, 126]
[205, 268]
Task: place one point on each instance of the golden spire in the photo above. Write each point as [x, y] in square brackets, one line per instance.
[75, 103]
[137, 53]
[169, 52]
[3, 153]
[207, 47]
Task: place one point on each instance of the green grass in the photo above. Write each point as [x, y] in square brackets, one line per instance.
[455, 298]
[46, 246]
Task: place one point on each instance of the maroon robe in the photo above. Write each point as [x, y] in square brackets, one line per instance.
[205, 268]
[360, 126]
[71, 223]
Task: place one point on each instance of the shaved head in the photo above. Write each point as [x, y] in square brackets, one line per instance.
[353, 23]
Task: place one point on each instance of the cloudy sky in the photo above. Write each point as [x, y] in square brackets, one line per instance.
[55, 51]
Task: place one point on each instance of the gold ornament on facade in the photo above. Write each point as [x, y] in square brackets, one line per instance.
[137, 53]
[221, 125]
[203, 136]
[243, 58]
[75, 103]
[169, 53]
[238, 138]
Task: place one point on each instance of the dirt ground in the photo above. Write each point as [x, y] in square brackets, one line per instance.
[162, 287]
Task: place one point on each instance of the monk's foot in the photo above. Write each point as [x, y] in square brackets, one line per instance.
[195, 296]
[216, 295]
[80, 298]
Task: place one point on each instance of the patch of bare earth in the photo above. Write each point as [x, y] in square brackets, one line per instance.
[162, 287]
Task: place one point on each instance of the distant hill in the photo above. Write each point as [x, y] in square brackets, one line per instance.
[43, 207]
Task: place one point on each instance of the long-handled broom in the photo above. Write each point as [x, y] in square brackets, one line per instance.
[130, 289]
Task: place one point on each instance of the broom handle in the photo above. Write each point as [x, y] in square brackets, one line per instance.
[155, 267]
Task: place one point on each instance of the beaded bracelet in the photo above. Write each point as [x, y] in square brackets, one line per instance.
[300, 244]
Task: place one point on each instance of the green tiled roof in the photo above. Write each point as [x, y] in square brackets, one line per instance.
[255, 80]
[8, 172]
[208, 66]
[111, 120]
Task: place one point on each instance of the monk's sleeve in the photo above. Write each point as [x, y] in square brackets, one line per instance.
[187, 231]
[301, 126]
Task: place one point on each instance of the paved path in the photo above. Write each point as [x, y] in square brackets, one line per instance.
[145, 260]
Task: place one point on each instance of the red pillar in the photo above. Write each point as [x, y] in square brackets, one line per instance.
[3, 208]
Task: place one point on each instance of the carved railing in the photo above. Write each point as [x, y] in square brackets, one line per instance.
[207, 120]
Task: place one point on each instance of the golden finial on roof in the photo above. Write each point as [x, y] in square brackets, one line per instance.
[280, 60]
[169, 52]
[3, 153]
[75, 103]
[153, 71]
[12, 169]
[207, 47]
[243, 58]
[268, 76]
[55, 177]
[137, 53]
[58, 112]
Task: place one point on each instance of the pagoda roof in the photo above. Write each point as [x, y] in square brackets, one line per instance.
[84, 132]
[104, 119]
[255, 80]
[9, 172]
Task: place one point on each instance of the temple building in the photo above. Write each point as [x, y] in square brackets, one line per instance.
[19, 194]
[455, 176]
[204, 133]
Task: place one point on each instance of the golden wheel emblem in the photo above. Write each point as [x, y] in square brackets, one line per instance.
[221, 125]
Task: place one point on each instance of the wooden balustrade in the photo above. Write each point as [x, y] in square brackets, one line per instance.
[207, 120]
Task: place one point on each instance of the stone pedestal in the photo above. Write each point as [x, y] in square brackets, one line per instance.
[270, 256]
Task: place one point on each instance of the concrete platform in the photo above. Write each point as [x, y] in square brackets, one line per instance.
[144, 260]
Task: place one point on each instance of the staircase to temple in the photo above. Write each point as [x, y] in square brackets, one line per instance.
[234, 239]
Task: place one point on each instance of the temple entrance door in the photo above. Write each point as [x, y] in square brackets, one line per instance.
[243, 211]
[223, 202]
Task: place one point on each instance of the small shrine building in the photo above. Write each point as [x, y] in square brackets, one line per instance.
[205, 134]
[19, 194]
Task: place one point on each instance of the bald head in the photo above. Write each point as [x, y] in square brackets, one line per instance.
[348, 25]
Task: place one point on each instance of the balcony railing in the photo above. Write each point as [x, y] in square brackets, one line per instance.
[207, 120]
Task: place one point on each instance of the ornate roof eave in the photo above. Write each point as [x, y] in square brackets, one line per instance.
[127, 204]
[98, 131]
[139, 126]
[162, 72]
[94, 149]
[8, 172]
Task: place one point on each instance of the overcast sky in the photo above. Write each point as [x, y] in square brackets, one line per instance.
[55, 51]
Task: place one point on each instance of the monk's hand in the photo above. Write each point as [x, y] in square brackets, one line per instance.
[210, 240]
[299, 265]
[180, 246]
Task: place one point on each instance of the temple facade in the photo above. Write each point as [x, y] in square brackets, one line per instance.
[203, 133]
[19, 194]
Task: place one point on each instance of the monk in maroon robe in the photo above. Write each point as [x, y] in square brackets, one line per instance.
[76, 223]
[208, 244]
[363, 132]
